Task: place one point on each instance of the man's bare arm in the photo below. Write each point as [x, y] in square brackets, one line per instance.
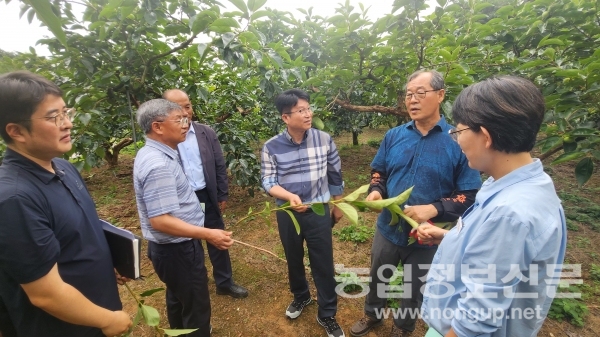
[61, 300]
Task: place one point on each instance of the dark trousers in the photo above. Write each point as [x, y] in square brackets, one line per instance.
[181, 267]
[384, 252]
[316, 231]
[218, 258]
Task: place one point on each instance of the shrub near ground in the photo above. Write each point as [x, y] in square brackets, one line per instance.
[262, 313]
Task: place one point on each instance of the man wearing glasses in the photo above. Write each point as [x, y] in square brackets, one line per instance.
[204, 166]
[56, 271]
[171, 217]
[300, 166]
[422, 154]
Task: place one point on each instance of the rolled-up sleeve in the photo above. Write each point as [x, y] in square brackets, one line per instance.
[268, 169]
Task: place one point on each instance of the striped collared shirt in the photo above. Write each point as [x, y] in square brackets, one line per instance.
[312, 169]
[161, 187]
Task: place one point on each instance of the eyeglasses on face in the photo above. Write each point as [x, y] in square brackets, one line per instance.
[183, 121]
[302, 112]
[455, 132]
[59, 118]
[419, 94]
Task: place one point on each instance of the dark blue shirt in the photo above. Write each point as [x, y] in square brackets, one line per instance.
[49, 219]
[434, 164]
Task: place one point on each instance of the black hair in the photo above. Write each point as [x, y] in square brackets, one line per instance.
[511, 109]
[289, 98]
[21, 92]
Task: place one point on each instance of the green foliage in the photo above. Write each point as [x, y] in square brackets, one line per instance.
[352, 282]
[571, 309]
[123, 52]
[595, 272]
[395, 287]
[580, 209]
[354, 233]
[374, 143]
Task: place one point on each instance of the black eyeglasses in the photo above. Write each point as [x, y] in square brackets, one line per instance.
[454, 133]
[419, 94]
[59, 118]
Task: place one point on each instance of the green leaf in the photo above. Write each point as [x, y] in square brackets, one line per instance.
[584, 170]
[318, 123]
[583, 132]
[293, 220]
[568, 156]
[227, 38]
[110, 8]
[354, 195]
[410, 221]
[223, 25]
[254, 5]
[151, 291]
[44, 12]
[532, 64]
[200, 22]
[125, 11]
[30, 15]
[260, 14]
[177, 332]
[240, 5]
[547, 42]
[394, 221]
[445, 54]
[151, 316]
[319, 209]
[349, 211]
[84, 118]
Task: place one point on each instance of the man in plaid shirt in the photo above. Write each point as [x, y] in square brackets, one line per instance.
[301, 166]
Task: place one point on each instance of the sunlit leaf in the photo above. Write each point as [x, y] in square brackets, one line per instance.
[356, 193]
[151, 316]
[293, 220]
[44, 12]
[177, 332]
[349, 211]
[318, 123]
[254, 5]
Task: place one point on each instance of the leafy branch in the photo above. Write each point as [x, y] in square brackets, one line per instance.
[151, 316]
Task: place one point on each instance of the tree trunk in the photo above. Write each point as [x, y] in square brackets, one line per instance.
[111, 154]
[354, 138]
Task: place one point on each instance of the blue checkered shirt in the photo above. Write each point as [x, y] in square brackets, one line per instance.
[161, 187]
[312, 169]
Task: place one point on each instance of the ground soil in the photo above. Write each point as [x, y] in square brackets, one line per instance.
[262, 313]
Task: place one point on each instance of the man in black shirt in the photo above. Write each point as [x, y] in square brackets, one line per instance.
[56, 272]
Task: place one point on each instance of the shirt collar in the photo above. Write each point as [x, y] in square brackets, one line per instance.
[492, 186]
[441, 125]
[289, 137]
[162, 148]
[12, 157]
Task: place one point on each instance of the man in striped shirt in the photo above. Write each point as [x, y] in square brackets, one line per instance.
[302, 166]
[171, 217]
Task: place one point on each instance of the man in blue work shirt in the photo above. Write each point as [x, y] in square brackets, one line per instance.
[205, 168]
[420, 154]
[301, 165]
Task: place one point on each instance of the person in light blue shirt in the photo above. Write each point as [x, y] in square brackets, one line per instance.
[496, 272]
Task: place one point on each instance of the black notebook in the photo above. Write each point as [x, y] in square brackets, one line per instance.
[125, 249]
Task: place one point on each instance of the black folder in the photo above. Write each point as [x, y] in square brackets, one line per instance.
[125, 249]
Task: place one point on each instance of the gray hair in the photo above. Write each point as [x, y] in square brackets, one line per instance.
[154, 110]
[436, 82]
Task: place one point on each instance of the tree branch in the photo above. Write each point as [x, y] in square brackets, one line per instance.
[550, 153]
[168, 52]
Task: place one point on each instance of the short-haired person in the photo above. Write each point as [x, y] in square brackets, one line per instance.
[56, 272]
[204, 166]
[171, 217]
[505, 249]
[420, 154]
[300, 166]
